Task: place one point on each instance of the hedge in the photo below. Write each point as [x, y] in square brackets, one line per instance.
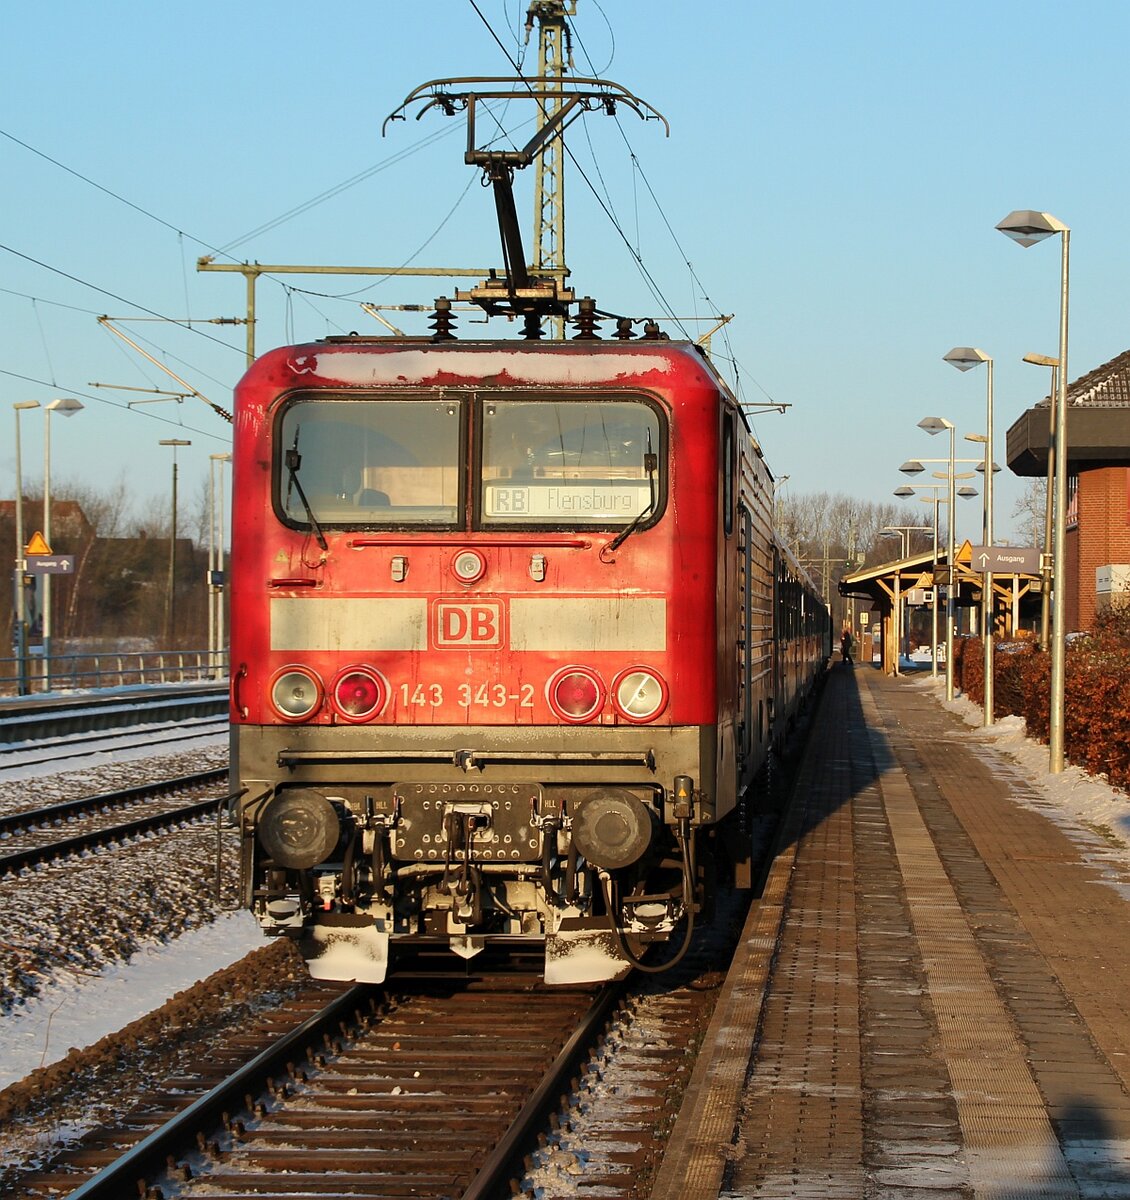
[1096, 691]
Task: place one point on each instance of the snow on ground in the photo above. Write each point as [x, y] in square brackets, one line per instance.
[74, 1004]
[1095, 815]
[185, 736]
[79, 1010]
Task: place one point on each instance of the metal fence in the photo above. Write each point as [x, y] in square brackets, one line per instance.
[98, 669]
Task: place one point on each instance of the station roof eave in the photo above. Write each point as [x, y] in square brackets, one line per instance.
[1096, 437]
[878, 582]
[1097, 418]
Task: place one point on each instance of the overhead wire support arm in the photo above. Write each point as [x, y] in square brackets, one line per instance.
[159, 394]
[105, 322]
[252, 271]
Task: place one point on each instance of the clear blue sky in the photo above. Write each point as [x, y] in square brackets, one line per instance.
[833, 176]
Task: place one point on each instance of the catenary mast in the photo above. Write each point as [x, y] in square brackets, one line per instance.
[554, 58]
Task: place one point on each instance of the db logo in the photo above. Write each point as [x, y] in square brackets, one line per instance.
[478, 624]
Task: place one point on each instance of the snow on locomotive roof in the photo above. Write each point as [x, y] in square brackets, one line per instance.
[519, 364]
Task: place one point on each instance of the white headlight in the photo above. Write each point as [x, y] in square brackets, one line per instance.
[296, 693]
[639, 694]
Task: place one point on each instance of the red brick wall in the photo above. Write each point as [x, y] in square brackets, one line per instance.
[1102, 536]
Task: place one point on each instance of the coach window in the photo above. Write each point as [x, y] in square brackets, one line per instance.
[728, 473]
[570, 463]
[367, 463]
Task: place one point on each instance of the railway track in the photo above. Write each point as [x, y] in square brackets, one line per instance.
[32, 837]
[172, 736]
[468, 1087]
[407, 1081]
[434, 1091]
[34, 718]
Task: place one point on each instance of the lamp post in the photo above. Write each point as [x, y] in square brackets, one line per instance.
[20, 596]
[171, 598]
[1029, 227]
[216, 526]
[65, 407]
[934, 425]
[1045, 360]
[904, 532]
[965, 358]
[915, 466]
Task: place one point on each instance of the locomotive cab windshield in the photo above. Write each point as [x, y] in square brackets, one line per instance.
[567, 463]
[553, 463]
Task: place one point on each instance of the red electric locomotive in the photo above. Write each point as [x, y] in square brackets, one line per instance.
[510, 635]
[511, 631]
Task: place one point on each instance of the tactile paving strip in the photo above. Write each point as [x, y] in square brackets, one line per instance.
[1010, 1147]
[789, 1058]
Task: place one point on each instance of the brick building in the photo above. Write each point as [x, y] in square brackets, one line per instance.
[1098, 461]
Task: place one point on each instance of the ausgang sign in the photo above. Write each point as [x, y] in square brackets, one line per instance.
[1006, 560]
[50, 564]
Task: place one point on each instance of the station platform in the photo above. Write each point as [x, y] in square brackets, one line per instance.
[932, 995]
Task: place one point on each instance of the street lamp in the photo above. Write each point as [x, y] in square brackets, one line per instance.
[905, 492]
[965, 358]
[216, 526]
[1028, 227]
[20, 595]
[171, 598]
[1045, 360]
[65, 407]
[934, 425]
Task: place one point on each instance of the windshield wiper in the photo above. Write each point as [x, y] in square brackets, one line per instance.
[293, 463]
[650, 465]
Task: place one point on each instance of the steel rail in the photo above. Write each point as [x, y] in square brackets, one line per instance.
[80, 745]
[18, 860]
[30, 720]
[190, 1131]
[129, 1175]
[495, 1170]
[30, 818]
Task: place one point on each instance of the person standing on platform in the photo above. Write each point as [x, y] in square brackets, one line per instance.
[847, 644]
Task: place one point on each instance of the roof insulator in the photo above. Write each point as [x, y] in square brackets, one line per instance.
[624, 329]
[443, 321]
[585, 321]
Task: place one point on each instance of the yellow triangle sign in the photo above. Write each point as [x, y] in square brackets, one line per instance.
[38, 544]
[964, 556]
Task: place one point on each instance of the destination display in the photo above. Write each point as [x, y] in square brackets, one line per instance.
[582, 502]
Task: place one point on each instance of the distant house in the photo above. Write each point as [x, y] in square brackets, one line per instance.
[1097, 529]
[120, 586]
[69, 526]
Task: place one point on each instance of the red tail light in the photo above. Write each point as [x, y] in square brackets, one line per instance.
[359, 693]
[575, 694]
